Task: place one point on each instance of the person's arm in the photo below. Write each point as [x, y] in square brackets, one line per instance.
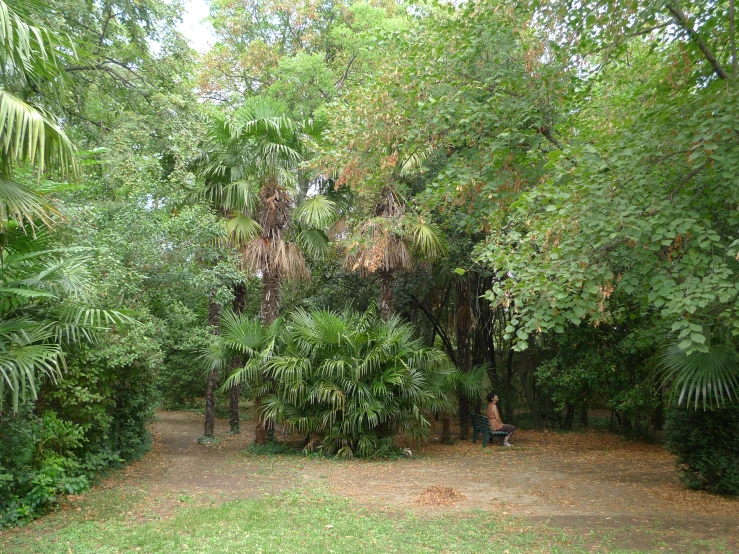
[491, 416]
[497, 415]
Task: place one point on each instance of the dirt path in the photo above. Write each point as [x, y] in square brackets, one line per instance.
[627, 494]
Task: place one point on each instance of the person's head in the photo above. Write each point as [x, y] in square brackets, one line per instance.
[492, 397]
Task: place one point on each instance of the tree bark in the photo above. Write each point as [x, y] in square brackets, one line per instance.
[233, 407]
[463, 326]
[569, 416]
[387, 301]
[238, 305]
[523, 372]
[214, 320]
[446, 437]
[508, 387]
[270, 309]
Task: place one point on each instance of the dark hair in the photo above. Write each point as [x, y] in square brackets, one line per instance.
[491, 396]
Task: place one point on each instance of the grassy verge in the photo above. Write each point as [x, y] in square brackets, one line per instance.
[297, 521]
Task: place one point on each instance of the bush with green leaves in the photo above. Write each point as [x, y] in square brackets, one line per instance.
[183, 336]
[109, 389]
[37, 463]
[706, 446]
[352, 381]
[92, 418]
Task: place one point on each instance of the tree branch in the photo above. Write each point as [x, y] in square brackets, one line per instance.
[439, 330]
[96, 123]
[682, 20]
[687, 178]
[546, 132]
[340, 82]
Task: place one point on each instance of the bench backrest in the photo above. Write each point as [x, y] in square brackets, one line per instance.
[479, 421]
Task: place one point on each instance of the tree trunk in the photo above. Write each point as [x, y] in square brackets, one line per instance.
[523, 372]
[463, 326]
[238, 305]
[233, 408]
[508, 387]
[446, 437]
[386, 295]
[584, 415]
[270, 297]
[260, 430]
[270, 311]
[569, 416]
[214, 320]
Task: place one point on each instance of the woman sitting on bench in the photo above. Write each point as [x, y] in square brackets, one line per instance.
[496, 424]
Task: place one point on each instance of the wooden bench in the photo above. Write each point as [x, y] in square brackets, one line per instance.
[481, 424]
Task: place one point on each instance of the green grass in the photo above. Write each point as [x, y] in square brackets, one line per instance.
[294, 522]
[297, 521]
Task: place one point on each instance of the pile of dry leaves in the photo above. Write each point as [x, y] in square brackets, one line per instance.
[439, 496]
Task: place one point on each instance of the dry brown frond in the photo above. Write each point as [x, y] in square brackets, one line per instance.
[256, 254]
[337, 230]
[290, 262]
[397, 255]
[390, 204]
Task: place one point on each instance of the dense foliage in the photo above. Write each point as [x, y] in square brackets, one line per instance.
[706, 448]
[350, 381]
[546, 192]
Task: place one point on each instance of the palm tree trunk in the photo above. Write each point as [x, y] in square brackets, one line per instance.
[387, 301]
[214, 320]
[270, 312]
[233, 407]
[525, 367]
[238, 305]
[270, 297]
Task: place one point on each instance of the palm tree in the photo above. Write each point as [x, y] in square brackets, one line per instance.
[251, 172]
[352, 380]
[30, 60]
[385, 244]
[43, 288]
[43, 293]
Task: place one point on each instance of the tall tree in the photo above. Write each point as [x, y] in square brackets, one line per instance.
[252, 164]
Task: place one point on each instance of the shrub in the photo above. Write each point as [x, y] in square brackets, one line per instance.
[91, 419]
[183, 336]
[37, 463]
[706, 446]
[109, 390]
[353, 381]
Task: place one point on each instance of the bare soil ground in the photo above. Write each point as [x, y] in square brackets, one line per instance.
[615, 492]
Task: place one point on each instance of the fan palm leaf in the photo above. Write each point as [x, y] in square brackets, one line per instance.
[709, 378]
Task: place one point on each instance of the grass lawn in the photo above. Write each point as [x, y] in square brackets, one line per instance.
[294, 522]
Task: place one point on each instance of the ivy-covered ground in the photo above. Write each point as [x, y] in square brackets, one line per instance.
[550, 493]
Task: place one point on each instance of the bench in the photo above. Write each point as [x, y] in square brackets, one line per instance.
[481, 424]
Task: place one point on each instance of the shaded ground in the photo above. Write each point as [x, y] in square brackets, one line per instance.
[613, 492]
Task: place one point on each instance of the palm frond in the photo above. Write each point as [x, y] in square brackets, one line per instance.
[241, 228]
[313, 242]
[290, 261]
[29, 135]
[317, 212]
[709, 378]
[429, 240]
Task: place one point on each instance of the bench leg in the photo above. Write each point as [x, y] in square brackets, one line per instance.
[502, 440]
[474, 435]
[485, 439]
